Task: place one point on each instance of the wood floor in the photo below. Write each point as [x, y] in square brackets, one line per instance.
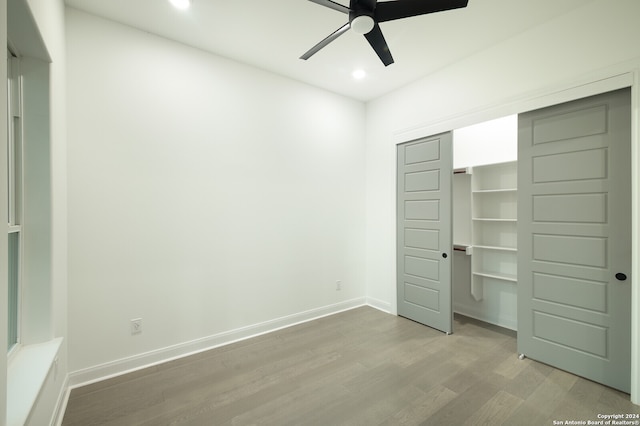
[360, 367]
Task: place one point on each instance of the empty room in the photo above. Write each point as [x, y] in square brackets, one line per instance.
[320, 212]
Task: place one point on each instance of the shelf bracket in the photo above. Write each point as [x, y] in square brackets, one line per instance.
[462, 170]
[463, 247]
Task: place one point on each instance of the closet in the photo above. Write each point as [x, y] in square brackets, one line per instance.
[537, 210]
[485, 221]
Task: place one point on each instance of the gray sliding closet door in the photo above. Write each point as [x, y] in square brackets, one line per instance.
[424, 230]
[574, 237]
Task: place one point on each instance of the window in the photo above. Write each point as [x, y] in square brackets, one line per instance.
[14, 211]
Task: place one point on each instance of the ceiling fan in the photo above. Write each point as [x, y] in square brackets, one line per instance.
[365, 15]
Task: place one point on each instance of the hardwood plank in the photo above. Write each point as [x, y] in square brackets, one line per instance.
[528, 380]
[511, 366]
[465, 406]
[552, 390]
[529, 413]
[614, 401]
[496, 410]
[422, 408]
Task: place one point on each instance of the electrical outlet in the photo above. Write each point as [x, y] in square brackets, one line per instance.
[136, 326]
[338, 285]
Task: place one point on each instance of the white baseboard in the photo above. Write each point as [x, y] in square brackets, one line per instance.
[379, 305]
[137, 362]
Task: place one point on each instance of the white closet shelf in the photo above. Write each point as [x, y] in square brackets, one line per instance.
[494, 219]
[500, 248]
[488, 191]
[497, 276]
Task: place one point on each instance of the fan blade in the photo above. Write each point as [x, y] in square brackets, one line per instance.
[332, 5]
[368, 4]
[337, 33]
[379, 44]
[390, 10]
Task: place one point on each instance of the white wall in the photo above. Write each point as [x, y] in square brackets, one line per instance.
[493, 141]
[204, 195]
[569, 50]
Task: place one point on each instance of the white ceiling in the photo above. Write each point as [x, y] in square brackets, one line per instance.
[273, 34]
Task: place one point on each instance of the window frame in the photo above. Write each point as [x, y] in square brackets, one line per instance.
[15, 192]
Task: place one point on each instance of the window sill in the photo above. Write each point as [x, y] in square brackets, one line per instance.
[27, 371]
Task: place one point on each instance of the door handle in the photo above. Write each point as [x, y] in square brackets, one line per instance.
[444, 255]
[620, 276]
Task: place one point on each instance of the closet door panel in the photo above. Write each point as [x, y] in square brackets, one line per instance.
[574, 246]
[424, 231]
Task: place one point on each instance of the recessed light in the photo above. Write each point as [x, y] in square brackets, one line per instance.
[359, 74]
[181, 4]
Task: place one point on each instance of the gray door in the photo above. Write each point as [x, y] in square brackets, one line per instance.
[424, 231]
[574, 237]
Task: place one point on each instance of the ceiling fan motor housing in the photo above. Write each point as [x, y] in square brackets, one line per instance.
[361, 20]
